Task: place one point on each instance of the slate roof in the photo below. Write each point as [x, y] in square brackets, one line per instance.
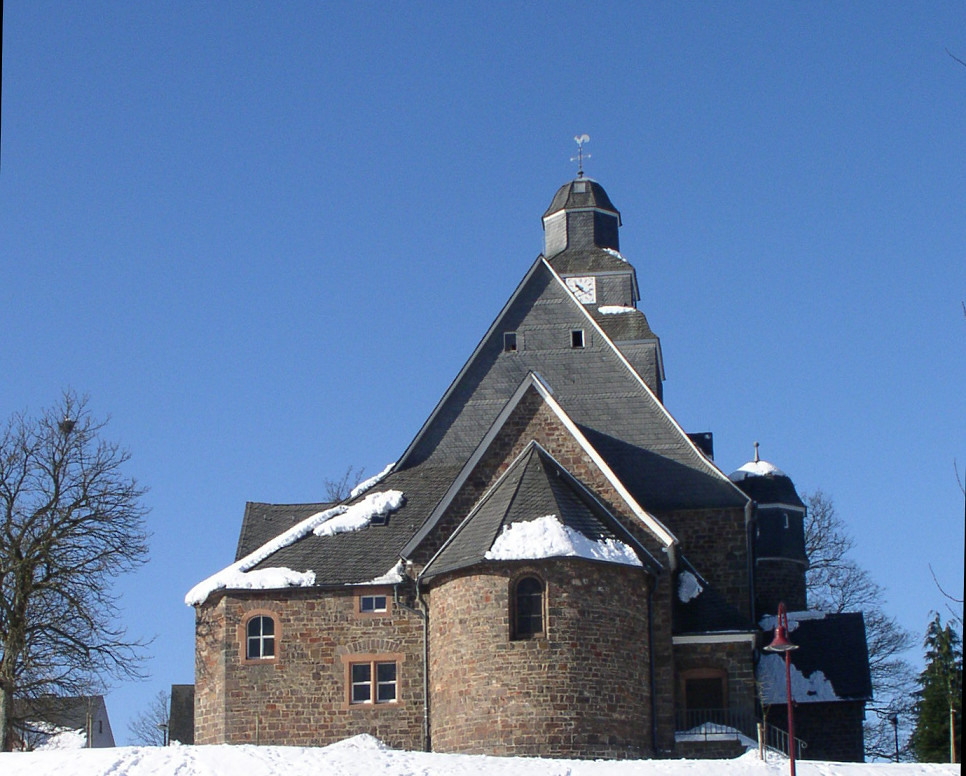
[623, 327]
[588, 260]
[266, 521]
[534, 486]
[357, 557]
[770, 489]
[707, 612]
[836, 646]
[567, 197]
[619, 415]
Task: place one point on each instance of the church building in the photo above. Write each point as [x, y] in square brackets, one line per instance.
[553, 567]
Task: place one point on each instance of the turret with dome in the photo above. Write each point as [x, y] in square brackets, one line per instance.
[779, 535]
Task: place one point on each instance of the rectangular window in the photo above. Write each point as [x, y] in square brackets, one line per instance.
[577, 338]
[509, 341]
[364, 690]
[386, 682]
[372, 603]
[362, 683]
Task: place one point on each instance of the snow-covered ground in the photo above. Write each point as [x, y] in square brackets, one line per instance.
[365, 756]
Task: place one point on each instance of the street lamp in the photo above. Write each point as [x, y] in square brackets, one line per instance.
[894, 719]
[780, 643]
[163, 727]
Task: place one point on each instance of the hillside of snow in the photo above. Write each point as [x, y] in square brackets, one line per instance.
[365, 756]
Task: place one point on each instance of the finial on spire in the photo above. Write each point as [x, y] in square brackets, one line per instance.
[579, 158]
[757, 460]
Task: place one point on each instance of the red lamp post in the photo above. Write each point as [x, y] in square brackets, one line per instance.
[781, 644]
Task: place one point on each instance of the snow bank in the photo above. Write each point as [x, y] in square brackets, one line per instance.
[53, 737]
[329, 522]
[688, 587]
[547, 537]
[615, 254]
[366, 756]
[814, 688]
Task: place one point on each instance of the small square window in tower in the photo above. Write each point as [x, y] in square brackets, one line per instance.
[577, 338]
[509, 341]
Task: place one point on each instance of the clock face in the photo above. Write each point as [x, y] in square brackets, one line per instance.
[585, 289]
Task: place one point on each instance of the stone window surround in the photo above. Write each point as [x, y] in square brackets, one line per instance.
[514, 580]
[367, 592]
[350, 660]
[243, 638]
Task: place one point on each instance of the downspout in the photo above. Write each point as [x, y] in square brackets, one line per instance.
[751, 509]
[423, 614]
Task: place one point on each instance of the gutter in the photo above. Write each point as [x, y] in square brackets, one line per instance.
[751, 520]
[423, 614]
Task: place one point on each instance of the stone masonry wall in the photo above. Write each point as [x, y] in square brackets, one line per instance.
[715, 542]
[736, 661]
[779, 580]
[579, 690]
[301, 697]
[831, 731]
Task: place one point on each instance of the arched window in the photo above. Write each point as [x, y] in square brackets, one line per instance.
[528, 608]
[260, 638]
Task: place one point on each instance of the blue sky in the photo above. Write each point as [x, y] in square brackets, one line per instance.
[265, 237]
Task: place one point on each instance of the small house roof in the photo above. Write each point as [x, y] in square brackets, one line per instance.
[535, 486]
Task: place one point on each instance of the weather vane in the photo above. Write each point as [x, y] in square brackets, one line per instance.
[579, 158]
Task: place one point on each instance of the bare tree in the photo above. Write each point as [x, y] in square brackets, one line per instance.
[150, 726]
[71, 522]
[339, 490]
[836, 583]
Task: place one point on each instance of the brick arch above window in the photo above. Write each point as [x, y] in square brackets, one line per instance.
[260, 637]
[528, 607]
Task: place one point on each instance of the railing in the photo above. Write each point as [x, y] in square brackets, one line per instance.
[776, 739]
[716, 722]
[719, 724]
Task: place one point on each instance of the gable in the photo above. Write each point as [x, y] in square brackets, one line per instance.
[594, 384]
[536, 489]
[533, 415]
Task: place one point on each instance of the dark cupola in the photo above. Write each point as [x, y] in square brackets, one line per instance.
[779, 538]
[581, 216]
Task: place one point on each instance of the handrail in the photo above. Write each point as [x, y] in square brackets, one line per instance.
[719, 723]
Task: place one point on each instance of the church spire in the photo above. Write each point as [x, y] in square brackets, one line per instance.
[581, 216]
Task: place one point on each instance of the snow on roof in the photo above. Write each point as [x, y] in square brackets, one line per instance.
[614, 253]
[688, 587]
[365, 485]
[768, 621]
[756, 469]
[615, 309]
[547, 537]
[359, 515]
[392, 577]
[339, 519]
[814, 688]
